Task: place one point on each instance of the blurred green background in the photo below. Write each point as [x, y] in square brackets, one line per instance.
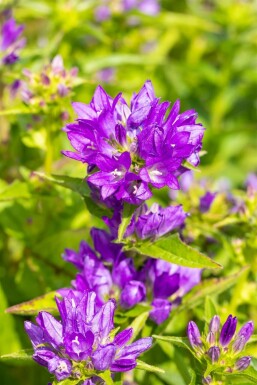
[202, 52]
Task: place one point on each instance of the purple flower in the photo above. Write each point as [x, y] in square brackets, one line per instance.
[157, 221]
[148, 7]
[49, 86]
[206, 201]
[110, 273]
[161, 309]
[82, 336]
[228, 330]
[10, 42]
[131, 148]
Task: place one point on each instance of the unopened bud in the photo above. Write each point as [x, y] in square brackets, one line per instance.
[214, 353]
[239, 344]
[207, 380]
[211, 338]
[194, 335]
[214, 324]
[243, 363]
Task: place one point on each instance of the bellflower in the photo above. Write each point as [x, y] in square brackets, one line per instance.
[110, 273]
[222, 346]
[11, 41]
[156, 221]
[82, 344]
[132, 148]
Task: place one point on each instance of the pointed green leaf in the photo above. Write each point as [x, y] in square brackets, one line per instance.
[22, 355]
[43, 303]
[16, 190]
[193, 377]
[78, 185]
[148, 368]
[138, 324]
[128, 211]
[209, 287]
[249, 374]
[181, 342]
[172, 249]
[106, 376]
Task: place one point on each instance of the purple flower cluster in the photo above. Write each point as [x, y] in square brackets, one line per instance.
[50, 85]
[110, 273]
[11, 41]
[222, 347]
[131, 148]
[81, 344]
[104, 11]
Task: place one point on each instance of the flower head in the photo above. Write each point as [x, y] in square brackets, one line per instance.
[132, 148]
[222, 348]
[49, 86]
[81, 344]
[11, 41]
[110, 273]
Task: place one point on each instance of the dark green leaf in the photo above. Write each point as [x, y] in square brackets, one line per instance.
[78, 185]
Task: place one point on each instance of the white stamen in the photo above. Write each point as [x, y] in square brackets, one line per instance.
[76, 341]
[173, 145]
[73, 304]
[156, 172]
[135, 188]
[117, 173]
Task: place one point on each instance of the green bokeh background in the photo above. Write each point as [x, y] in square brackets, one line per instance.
[202, 52]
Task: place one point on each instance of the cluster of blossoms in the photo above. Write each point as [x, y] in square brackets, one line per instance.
[11, 42]
[223, 349]
[110, 273]
[130, 149]
[83, 343]
[108, 7]
[53, 83]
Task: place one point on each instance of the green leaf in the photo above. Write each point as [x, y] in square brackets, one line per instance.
[250, 374]
[15, 111]
[138, 324]
[128, 211]
[95, 209]
[22, 355]
[181, 342]
[68, 381]
[16, 190]
[209, 311]
[106, 376]
[207, 287]
[43, 303]
[148, 368]
[75, 184]
[193, 377]
[173, 250]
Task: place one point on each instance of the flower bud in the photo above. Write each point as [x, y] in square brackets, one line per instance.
[243, 363]
[228, 330]
[207, 380]
[214, 353]
[211, 338]
[246, 331]
[194, 335]
[239, 344]
[214, 324]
